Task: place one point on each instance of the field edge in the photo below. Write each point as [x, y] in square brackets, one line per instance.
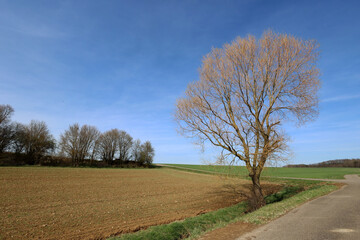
[195, 227]
[241, 171]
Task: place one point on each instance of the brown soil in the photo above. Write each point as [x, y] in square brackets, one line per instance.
[70, 203]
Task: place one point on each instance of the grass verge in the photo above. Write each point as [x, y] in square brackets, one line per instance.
[278, 204]
[275, 210]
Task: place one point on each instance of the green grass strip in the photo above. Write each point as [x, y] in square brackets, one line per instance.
[275, 210]
[195, 226]
[189, 226]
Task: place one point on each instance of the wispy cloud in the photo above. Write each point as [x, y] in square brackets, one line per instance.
[341, 98]
[41, 31]
[28, 25]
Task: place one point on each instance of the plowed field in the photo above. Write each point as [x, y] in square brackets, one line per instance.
[70, 203]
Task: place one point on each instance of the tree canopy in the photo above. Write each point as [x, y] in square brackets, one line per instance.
[246, 91]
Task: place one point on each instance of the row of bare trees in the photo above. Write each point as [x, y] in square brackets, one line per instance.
[79, 144]
[115, 146]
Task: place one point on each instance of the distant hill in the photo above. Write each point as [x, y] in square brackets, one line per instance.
[352, 163]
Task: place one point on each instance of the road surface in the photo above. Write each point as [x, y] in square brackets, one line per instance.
[334, 216]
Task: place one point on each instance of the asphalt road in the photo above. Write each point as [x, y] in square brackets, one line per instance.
[334, 216]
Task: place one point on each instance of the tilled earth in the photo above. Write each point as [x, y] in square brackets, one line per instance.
[75, 203]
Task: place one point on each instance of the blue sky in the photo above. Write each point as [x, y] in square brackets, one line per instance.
[123, 64]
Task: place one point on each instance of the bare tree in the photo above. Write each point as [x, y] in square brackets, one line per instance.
[17, 145]
[7, 132]
[95, 152]
[34, 140]
[246, 91]
[147, 153]
[108, 145]
[6, 129]
[125, 144]
[78, 143]
[5, 113]
[69, 143]
[136, 151]
[87, 139]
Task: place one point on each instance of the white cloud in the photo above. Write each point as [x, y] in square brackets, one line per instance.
[341, 98]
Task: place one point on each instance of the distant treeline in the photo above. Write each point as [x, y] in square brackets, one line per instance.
[33, 144]
[350, 163]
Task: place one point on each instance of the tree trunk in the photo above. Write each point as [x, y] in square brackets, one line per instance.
[257, 200]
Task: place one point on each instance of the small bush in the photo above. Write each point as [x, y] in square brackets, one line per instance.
[283, 194]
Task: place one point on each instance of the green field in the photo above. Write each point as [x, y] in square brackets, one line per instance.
[320, 173]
